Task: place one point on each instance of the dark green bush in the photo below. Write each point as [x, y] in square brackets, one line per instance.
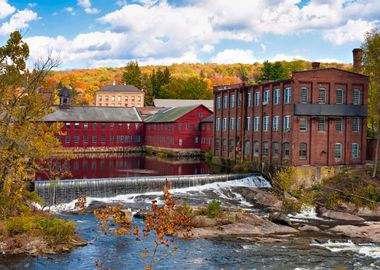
[213, 209]
[56, 230]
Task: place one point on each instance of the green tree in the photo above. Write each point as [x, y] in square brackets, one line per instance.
[24, 137]
[371, 63]
[132, 74]
[273, 71]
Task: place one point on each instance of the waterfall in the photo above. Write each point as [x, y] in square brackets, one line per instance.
[63, 191]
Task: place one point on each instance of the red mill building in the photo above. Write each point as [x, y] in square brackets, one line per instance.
[318, 117]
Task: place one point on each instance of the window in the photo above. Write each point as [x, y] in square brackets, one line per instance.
[103, 138]
[217, 144]
[94, 138]
[196, 139]
[257, 98]
[224, 145]
[106, 98]
[266, 97]
[239, 100]
[265, 123]
[248, 123]
[126, 99]
[232, 101]
[322, 98]
[246, 149]
[303, 151]
[303, 124]
[103, 125]
[67, 139]
[276, 119]
[120, 125]
[111, 138]
[356, 97]
[85, 125]
[304, 95]
[355, 150]
[287, 123]
[230, 145]
[355, 124]
[321, 124]
[85, 138]
[67, 125]
[76, 125]
[217, 124]
[256, 123]
[119, 98]
[275, 150]
[218, 102]
[338, 151]
[76, 138]
[339, 96]
[238, 124]
[93, 125]
[339, 124]
[265, 150]
[255, 149]
[224, 124]
[249, 97]
[288, 95]
[224, 102]
[285, 150]
[276, 96]
[188, 125]
[100, 98]
[232, 123]
[113, 98]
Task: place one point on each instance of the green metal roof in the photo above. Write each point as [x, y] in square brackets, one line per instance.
[170, 114]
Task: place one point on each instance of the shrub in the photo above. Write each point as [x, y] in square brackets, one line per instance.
[21, 224]
[284, 179]
[213, 209]
[56, 230]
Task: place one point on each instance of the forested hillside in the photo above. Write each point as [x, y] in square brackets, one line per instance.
[186, 81]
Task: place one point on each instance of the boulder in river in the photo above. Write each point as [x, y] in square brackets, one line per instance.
[370, 232]
[327, 213]
[260, 197]
[280, 218]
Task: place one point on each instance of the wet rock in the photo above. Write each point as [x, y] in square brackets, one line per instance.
[128, 215]
[326, 213]
[203, 221]
[366, 212]
[370, 232]
[309, 228]
[280, 218]
[260, 197]
[140, 214]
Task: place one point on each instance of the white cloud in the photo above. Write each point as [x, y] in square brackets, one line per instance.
[283, 57]
[86, 5]
[6, 9]
[329, 60]
[231, 56]
[32, 5]
[19, 20]
[207, 48]
[263, 47]
[69, 10]
[353, 30]
[121, 3]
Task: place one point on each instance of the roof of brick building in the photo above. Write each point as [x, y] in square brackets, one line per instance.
[169, 103]
[170, 114]
[120, 88]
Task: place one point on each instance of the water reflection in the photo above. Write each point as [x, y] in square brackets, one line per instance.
[107, 166]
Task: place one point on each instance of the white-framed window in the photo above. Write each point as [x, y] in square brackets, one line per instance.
[286, 123]
[275, 149]
[285, 150]
[249, 98]
[276, 96]
[339, 124]
[303, 124]
[288, 95]
[256, 123]
[321, 124]
[322, 96]
[356, 100]
[356, 124]
[248, 123]
[265, 150]
[232, 101]
[339, 96]
[217, 124]
[303, 151]
[232, 123]
[257, 98]
[266, 97]
[355, 150]
[304, 95]
[224, 124]
[225, 102]
[218, 102]
[255, 149]
[265, 123]
[276, 120]
[338, 151]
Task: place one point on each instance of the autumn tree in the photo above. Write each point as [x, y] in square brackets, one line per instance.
[371, 63]
[24, 137]
[132, 74]
[272, 71]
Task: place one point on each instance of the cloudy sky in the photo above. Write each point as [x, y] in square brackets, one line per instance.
[93, 33]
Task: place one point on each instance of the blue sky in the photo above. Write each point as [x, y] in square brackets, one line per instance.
[94, 33]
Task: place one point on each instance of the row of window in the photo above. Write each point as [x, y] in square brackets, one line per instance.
[302, 153]
[171, 126]
[303, 126]
[119, 98]
[103, 138]
[119, 105]
[167, 140]
[85, 125]
[305, 97]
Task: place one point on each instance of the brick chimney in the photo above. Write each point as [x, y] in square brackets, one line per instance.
[315, 65]
[357, 55]
[244, 80]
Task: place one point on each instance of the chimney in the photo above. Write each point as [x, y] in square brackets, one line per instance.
[315, 65]
[357, 55]
[244, 80]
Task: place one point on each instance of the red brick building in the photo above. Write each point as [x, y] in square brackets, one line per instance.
[318, 117]
[176, 129]
[207, 130]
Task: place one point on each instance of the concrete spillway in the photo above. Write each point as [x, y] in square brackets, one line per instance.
[63, 191]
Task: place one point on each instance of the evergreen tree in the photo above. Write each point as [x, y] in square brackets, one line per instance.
[132, 74]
